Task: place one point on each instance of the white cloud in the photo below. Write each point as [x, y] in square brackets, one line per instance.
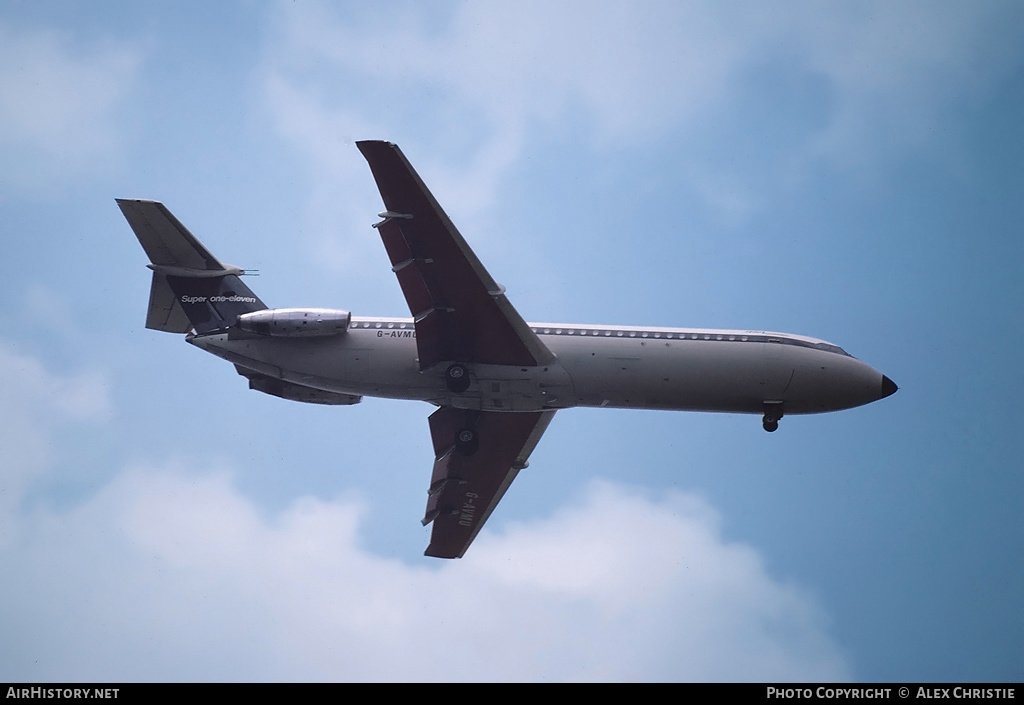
[33, 403]
[341, 199]
[622, 75]
[486, 77]
[631, 67]
[170, 574]
[58, 99]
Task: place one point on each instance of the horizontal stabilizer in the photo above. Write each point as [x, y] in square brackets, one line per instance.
[166, 241]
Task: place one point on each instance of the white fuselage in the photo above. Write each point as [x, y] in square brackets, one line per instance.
[613, 366]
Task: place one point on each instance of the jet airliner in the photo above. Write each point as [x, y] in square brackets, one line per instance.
[495, 379]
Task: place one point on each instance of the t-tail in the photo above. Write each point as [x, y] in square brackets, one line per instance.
[191, 289]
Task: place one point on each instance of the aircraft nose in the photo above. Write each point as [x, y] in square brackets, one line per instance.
[888, 387]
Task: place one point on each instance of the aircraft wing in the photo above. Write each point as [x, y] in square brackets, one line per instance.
[460, 313]
[465, 489]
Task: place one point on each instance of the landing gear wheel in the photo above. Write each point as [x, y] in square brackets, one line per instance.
[467, 442]
[770, 425]
[456, 378]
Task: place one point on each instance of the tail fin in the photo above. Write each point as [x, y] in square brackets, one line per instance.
[191, 289]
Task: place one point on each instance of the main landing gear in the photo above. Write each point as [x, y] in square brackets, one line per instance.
[772, 413]
[456, 378]
[467, 442]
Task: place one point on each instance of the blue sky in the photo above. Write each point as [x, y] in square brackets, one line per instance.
[850, 171]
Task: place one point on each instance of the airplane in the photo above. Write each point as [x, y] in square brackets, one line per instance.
[495, 379]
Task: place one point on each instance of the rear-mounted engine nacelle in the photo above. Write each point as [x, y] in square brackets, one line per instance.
[296, 322]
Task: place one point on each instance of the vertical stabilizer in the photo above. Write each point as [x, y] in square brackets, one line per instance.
[191, 289]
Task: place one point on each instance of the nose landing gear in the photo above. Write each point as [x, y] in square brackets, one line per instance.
[772, 413]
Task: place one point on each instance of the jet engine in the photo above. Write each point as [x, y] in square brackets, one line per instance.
[296, 322]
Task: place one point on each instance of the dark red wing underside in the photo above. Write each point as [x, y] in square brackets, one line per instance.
[461, 314]
[465, 489]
